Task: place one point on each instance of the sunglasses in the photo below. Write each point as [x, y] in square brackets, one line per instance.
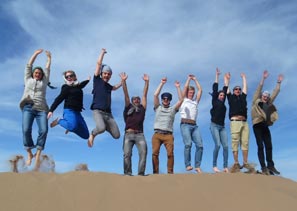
[69, 76]
[237, 89]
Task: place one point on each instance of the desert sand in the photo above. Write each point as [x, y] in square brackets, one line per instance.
[88, 191]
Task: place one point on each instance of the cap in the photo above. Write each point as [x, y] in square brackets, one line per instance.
[166, 95]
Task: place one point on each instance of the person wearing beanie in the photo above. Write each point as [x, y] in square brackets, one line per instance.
[72, 95]
[134, 115]
[264, 114]
[34, 107]
[189, 129]
[240, 132]
[217, 125]
[101, 104]
[163, 126]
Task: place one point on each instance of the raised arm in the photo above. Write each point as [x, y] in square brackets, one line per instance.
[48, 64]
[145, 90]
[33, 57]
[218, 72]
[185, 90]
[244, 83]
[99, 62]
[118, 85]
[124, 77]
[258, 92]
[277, 88]
[180, 100]
[199, 89]
[227, 79]
[157, 92]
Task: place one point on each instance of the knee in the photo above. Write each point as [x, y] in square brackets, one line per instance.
[188, 146]
[217, 147]
[127, 155]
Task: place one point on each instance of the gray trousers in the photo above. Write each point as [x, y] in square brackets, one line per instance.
[105, 122]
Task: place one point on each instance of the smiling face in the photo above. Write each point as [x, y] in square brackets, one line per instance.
[37, 74]
[136, 101]
[106, 76]
[237, 90]
[165, 101]
[70, 76]
[191, 92]
[221, 96]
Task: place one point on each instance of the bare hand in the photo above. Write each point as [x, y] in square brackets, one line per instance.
[177, 84]
[103, 50]
[280, 77]
[218, 72]
[163, 80]
[228, 76]
[145, 77]
[48, 54]
[265, 74]
[39, 51]
[123, 76]
[49, 115]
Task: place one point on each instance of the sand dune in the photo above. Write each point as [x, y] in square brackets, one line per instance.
[82, 190]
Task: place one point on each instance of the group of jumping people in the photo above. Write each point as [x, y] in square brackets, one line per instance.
[34, 107]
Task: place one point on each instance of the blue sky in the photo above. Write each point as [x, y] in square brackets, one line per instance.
[160, 38]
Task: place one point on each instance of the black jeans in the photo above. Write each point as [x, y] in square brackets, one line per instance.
[263, 136]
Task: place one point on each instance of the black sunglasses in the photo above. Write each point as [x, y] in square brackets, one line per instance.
[69, 76]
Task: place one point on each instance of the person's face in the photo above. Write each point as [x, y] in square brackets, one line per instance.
[190, 93]
[265, 98]
[237, 91]
[165, 101]
[221, 96]
[136, 101]
[37, 74]
[70, 76]
[106, 76]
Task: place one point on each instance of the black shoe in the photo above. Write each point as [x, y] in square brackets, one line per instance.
[265, 171]
[273, 170]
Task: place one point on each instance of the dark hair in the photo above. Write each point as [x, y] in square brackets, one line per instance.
[42, 72]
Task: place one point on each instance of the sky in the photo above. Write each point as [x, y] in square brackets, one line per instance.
[162, 39]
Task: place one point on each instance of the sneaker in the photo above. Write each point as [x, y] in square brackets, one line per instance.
[235, 168]
[249, 167]
[273, 170]
[265, 171]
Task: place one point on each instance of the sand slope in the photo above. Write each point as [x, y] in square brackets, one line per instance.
[87, 191]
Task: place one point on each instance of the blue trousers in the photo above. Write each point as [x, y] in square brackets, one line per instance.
[74, 122]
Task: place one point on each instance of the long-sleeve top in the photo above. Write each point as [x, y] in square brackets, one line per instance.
[73, 96]
[264, 112]
[218, 110]
[237, 105]
[35, 90]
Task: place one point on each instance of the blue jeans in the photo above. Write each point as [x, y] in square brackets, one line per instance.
[29, 115]
[129, 140]
[74, 122]
[191, 133]
[219, 136]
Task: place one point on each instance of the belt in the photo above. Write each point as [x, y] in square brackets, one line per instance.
[105, 110]
[164, 132]
[188, 121]
[238, 120]
[133, 131]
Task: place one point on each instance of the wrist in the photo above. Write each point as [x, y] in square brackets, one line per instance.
[278, 82]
